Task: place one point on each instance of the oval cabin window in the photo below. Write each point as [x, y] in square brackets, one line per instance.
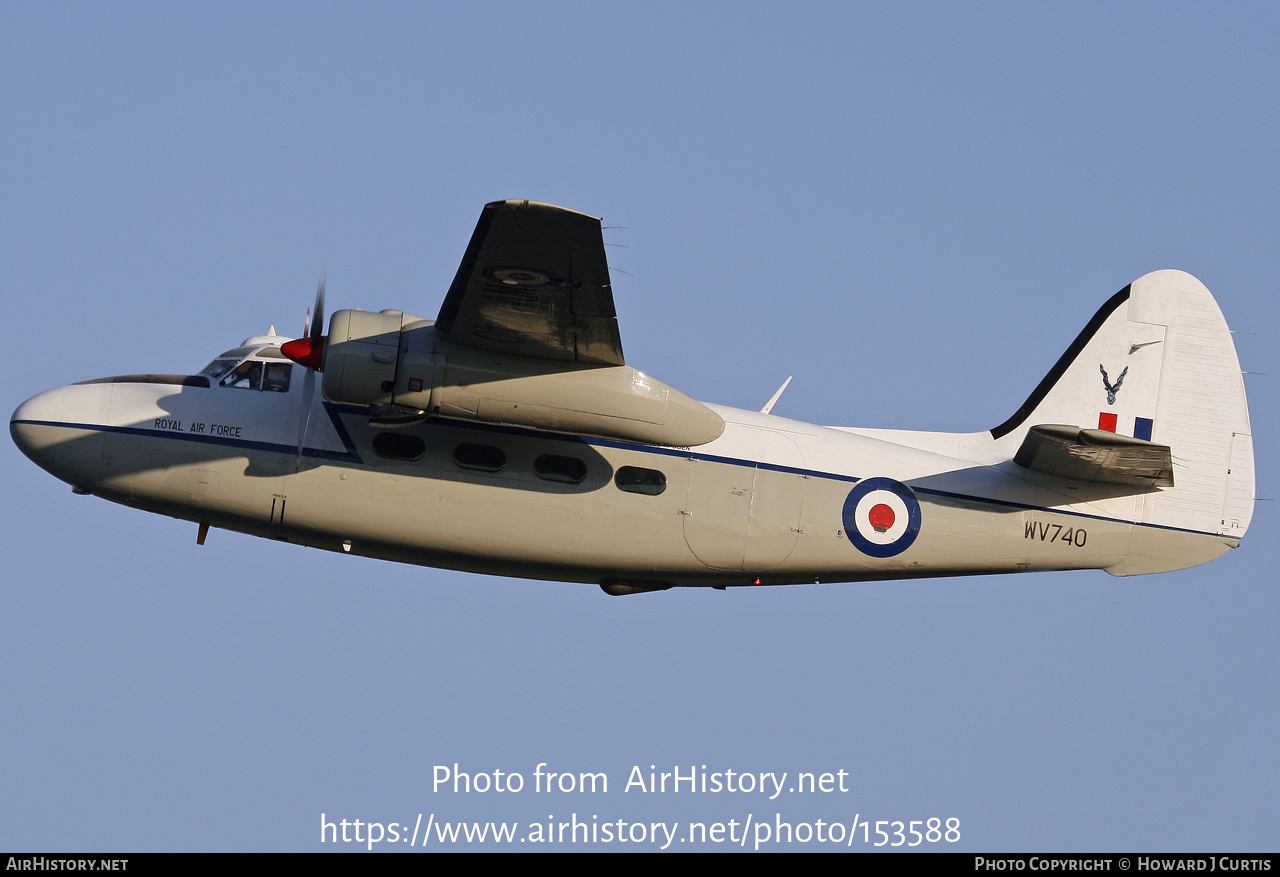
[398, 446]
[484, 458]
[634, 479]
[553, 467]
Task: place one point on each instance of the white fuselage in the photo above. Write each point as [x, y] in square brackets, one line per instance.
[767, 502]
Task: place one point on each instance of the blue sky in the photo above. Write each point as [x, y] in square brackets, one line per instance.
[913, 208]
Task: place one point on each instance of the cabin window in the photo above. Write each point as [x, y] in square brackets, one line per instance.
[554, 467]
[634, 479]
[483, 457]
[398, 446]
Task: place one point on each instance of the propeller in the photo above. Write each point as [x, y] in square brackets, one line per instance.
[308, 351]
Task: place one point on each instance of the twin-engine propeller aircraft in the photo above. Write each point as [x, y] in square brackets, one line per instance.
[510, 437]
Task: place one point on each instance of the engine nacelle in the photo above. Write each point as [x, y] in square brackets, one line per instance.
[395, 360]
[360, 357]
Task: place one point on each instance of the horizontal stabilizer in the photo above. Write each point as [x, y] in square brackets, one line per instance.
[1095, 455]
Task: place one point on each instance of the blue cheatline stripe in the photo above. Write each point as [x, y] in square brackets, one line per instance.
[340, 428]
[1004, 503]
[347, 456]
[351, 455]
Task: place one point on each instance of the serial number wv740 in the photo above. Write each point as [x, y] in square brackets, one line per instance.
[1047, 532]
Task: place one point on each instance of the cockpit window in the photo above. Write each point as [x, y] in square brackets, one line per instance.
[247, 375]
[218, 368]
[244, 368]
[276, 377]
[272, 377]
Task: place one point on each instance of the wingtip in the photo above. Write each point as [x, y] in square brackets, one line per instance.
[525, 204]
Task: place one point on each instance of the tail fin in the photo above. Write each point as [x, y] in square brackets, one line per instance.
[1157, 363]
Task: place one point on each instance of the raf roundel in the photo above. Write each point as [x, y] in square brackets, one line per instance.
[881, 517]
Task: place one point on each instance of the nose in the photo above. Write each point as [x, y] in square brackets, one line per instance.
[34, 426]
[40, 429]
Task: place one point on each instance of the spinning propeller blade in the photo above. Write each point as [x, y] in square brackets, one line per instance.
[308, 352]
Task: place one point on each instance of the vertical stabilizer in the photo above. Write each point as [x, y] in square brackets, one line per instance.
[1157, 363]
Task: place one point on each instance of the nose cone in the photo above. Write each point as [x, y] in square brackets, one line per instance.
[40, 431]
[33, 425]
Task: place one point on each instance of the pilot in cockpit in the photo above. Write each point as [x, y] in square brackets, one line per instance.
[249, 375]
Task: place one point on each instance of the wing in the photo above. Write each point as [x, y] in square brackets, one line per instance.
[534, 282]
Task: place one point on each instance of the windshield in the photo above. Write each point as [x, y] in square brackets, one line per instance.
[251, 373]
[218, 368]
